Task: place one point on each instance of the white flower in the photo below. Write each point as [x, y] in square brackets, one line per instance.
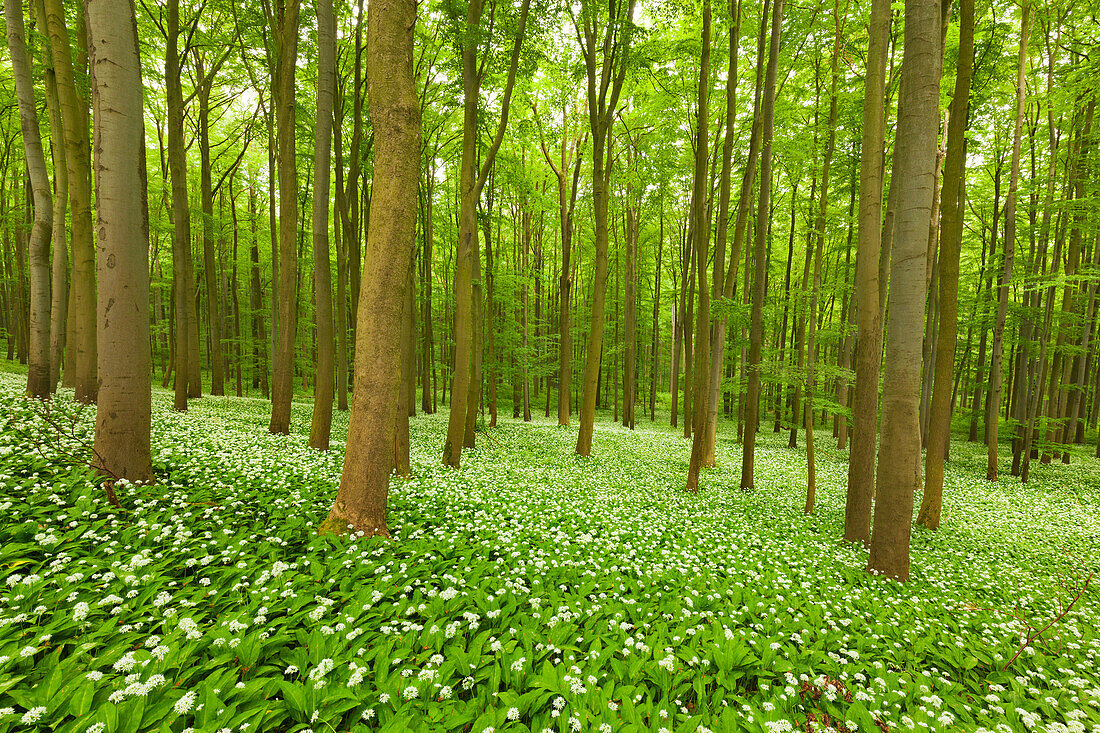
[513, 714]
[410, 692]
[185, 703]
[33, 715]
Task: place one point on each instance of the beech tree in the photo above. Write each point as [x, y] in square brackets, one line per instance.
[123, 417]
[605, 45]
[38, 370]
[285, 30]
[322, 272]
[899, 449]
[756, 338]
[360, 504]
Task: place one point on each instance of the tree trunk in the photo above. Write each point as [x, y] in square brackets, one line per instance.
[819, 231]
[756, 330]
[861, 463]
[655, 349]
[321, 426]
[701, 388]
[282, 388]
[630, 317]
[123, 419]
[604, 86]
[718, 331]
[995, 375]
[364, 485]
[181, 220]
[915, 153]
[466, 374]
[205, 84]
[939, 422]
[38, 370]
[74, 112]
[259, 330]
[59, 303]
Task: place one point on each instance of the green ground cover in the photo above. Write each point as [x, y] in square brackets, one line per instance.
[529, 591]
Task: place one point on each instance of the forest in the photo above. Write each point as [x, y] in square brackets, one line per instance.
[637, 365]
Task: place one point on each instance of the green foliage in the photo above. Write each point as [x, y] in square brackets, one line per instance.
[528, 592]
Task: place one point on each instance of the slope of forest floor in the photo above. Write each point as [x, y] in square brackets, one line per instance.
[530, 591]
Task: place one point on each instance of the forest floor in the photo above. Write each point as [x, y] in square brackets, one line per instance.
[530, 591]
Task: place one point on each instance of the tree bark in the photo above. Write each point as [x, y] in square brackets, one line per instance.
[181, 219]
[819, 232]
[123, 419]
[701, 389]
[995, 372]
[38, 363]
[861, 463]
[282, 387]
[364, 485]
[915, 153]
[718, 290]
[605, 78]
[323, 390]
[466, 373]
[756, 329]
[954, 176]
[74, 112]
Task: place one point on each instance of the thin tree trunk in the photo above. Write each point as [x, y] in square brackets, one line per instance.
[939, 422]
[995, 375]
[756, 330]
[605, 78]
[181, 220]
[466, 376]
[718, 331]
[38, 371]
[701, 388]
[321, 426]
[861, 463]
[282, 388]
[74, 112]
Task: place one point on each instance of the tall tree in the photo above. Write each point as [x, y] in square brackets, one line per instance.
[861, 463]
[606, 52]
[181, 217]
[122, 443]
[466, 380]
[74, 113]
[819, 235]
[286, 61]
[59, 287]
[718, 340]
[364, 485]
[939, 426]
[996, 377]
[915, 151]
[38, 363]
[701, 184]
[204, 86]
[756, 329]
[324, 388]
[570, 158]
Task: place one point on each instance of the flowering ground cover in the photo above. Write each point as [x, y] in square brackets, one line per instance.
[530, 591]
